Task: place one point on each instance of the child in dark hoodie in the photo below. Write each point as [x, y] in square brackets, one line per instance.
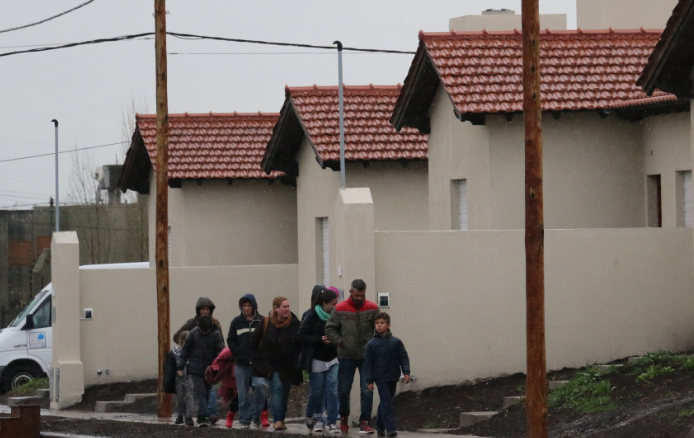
[201, 348]
[239, 342]
[384, 357]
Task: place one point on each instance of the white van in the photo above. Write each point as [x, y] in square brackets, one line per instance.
[26, 345]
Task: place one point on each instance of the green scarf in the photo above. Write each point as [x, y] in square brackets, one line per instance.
[321, 313]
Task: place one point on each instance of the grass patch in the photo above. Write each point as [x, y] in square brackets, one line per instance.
[588, 392]
[659, 364]
[686, 413]
[29, 388]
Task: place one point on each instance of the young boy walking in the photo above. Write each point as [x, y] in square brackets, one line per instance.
[201, 348]
[384, 358]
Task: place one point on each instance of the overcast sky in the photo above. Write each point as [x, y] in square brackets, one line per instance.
[88, 89]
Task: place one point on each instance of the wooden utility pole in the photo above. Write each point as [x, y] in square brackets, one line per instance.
[536, 386]
[162, 205]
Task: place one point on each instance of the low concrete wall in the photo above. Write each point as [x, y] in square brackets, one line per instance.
[122, 336]
[458, 298]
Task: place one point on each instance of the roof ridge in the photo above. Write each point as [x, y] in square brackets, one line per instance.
[259, 114]
[546, 32]
[370, 87]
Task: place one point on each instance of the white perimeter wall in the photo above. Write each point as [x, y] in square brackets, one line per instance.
[458, 298]
[122, 337]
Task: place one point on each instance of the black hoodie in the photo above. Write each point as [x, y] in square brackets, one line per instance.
[240, 330]
[193, 322]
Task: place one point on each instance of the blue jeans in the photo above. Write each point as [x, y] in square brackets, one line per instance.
[323, 386]
[385, 419]
[250, 405]
[279, 397]
[345, 378]
[212, 401]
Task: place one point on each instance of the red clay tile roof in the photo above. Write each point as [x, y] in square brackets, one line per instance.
[368, 132]
[212, 145]
[482, 71]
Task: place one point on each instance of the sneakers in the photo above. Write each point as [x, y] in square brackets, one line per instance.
[365, 428]
[309, 423]
[256, 422]
[213, 419]
[245, 425]
[333, 429]
[344, 424]
[263, 419]
[230, 419]
[279, 425]
[189, 421]
[318, 428]
[179, 419]
[392, 433]
[380, 431]
[204, 422]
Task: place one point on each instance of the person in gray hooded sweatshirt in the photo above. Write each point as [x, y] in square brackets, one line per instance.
[239, 342]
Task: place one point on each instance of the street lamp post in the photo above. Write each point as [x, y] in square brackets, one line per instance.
[57, 198]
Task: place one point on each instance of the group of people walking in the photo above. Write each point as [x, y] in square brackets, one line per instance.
[330, 343]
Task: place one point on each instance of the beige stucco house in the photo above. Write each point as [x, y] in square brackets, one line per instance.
[305, 146]
[221, 203]
[613, 158]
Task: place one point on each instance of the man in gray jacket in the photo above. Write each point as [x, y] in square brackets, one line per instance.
[350, 327]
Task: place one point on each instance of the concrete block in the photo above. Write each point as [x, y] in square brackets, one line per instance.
[435, 431]
[556, 384]
[109, 406]
[43, 393]
[24, 401]
[470, 418]
[132, 398]
[507, 402]
[604, 369]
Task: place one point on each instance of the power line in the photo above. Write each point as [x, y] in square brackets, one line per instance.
[265, 53]
[54, 44]
[187, 36]
[48, 19]
[62, 152]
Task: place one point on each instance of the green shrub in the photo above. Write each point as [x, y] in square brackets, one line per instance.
[590, 391]
[29, 388]
[652, 372]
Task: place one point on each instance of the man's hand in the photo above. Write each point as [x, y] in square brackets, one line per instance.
[370, 386]
[326, 340]
[407, 378]
[180, 373]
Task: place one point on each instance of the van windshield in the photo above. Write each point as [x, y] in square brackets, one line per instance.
[23, 314]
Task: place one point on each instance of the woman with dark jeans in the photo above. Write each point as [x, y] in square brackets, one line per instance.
[277, 350]
[319, 359]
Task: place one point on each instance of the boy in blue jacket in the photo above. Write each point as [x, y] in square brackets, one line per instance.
[384, 358]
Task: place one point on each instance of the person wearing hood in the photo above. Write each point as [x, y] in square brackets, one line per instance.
[201, 348]
[204, 306]
[239, 342]
[276, 347]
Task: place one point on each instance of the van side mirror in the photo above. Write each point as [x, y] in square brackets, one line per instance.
[29, 323]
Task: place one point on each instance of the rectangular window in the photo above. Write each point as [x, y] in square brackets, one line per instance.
[459, 205]
[687, 201]
[322, 251]
[169, 250]
[653, 197]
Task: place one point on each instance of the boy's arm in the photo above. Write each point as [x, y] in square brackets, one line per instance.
[256, 337]
[369, 363]
[404, 359]
[333, 328]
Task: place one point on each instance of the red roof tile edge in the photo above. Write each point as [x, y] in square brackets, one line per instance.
[453, 34]
[210, 114]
